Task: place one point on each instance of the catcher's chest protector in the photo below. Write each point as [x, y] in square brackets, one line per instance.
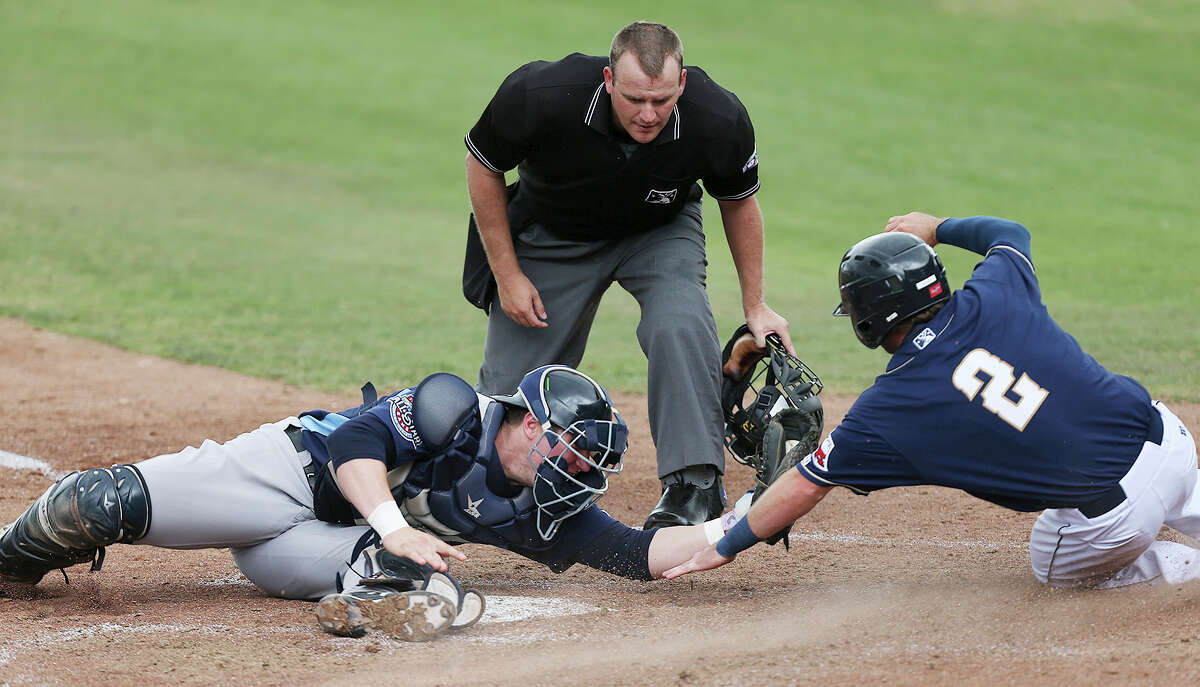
[466, 509]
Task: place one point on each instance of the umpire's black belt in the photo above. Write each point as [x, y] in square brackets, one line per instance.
[310, 471]
[1116, 496]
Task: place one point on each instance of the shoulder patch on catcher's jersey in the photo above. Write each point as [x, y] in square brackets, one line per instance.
[401, 413]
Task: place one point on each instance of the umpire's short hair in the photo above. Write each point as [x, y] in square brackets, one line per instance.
[652, 44]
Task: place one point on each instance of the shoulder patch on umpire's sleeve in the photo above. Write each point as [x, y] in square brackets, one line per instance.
[752, 161]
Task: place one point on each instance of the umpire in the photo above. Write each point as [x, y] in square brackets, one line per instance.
[608, 151]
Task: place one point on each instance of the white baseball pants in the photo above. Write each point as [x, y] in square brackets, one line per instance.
[1120, 547]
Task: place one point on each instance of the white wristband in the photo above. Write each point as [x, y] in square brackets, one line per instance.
[386, 518]
[714, 530]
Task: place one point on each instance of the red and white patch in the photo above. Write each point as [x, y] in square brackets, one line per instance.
[935, 290]
[820, 457]
[402, 416]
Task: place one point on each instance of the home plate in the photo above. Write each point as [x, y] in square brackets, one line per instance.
[505, 609]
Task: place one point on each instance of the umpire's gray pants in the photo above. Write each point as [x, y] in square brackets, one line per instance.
[664, 270]
[249, 494]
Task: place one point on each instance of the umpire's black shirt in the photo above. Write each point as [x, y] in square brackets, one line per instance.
[554, 120]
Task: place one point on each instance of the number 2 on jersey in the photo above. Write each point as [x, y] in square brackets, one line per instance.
[995, 390]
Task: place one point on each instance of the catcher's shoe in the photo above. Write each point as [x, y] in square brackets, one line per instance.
[469, 603]
[470, 611]
[394, 594]
[414, 616]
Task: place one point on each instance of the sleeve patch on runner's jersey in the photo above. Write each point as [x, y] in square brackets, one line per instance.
[820, 458]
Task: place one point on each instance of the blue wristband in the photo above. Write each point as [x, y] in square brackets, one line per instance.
[739, 538]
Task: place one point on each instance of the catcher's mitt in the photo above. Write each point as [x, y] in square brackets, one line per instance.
[783, 421]
[792, 434]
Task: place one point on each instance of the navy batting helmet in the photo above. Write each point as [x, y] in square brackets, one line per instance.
[886, 279]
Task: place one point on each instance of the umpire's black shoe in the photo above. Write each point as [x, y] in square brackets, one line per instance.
[683, 503]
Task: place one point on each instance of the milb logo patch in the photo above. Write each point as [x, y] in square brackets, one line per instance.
[661, 197]
[402, 416]
[922, 340]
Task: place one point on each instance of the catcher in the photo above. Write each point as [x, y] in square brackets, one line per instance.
[360, 508]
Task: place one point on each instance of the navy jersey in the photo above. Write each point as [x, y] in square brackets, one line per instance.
[383, 430]
[391, 439]
[991, 396]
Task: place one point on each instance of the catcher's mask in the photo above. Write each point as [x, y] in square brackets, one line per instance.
[777, 379]
[578, 419]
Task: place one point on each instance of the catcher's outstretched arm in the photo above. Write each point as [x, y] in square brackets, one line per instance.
[782, 504]
[672, 546]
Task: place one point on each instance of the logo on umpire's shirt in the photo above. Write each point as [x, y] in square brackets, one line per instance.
[402, 416]
[922, 340]
[752, 162]
[661, 197]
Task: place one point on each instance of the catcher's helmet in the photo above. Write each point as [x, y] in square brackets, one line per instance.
[576, 411]
[886, 279]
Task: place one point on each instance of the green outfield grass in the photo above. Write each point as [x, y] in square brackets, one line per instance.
[277, 187]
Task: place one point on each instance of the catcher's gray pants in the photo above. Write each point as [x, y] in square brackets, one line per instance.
[249, 494]
[664, 270]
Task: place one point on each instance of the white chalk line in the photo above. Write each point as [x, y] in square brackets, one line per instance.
[935, 542]
[17, 462]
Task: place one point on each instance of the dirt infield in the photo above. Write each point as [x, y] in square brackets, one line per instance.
[908, 586]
